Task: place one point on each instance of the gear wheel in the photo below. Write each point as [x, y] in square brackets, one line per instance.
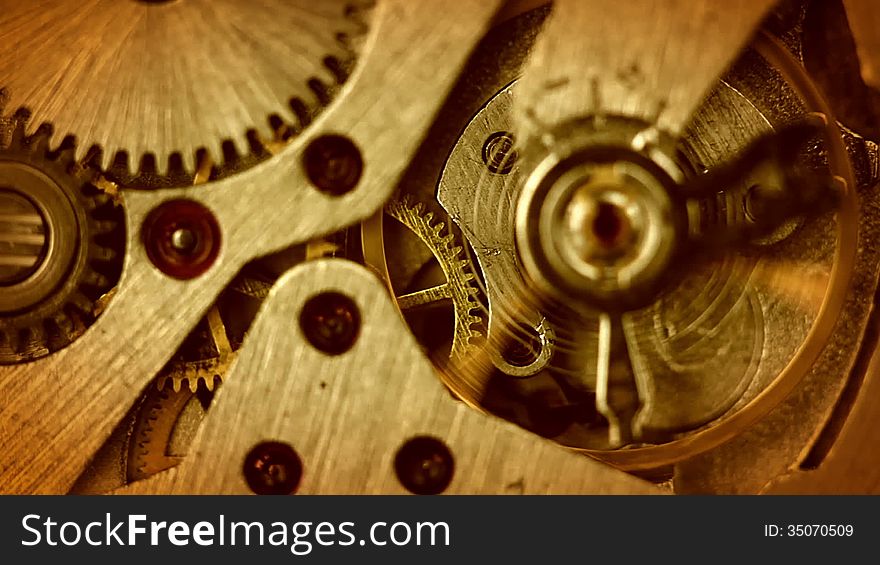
[165, 421]
[188, 375]
[170, 411]
[213, 354]
[61, 245]
[155, 79]
[459, 286]
[165, 425]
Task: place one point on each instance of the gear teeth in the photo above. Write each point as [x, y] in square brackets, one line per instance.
[92, 156]
[38, 143]
[333, 64]
[231, 152]
[33, 335]
[120, 164]
[301, 113]
[104, 227]
[97, 154]
[357, 11]
[103, 254]
[189, 381]
[181, 163]
[190, 160]
[447, 252]
[147, 165]
[64, 324]
[321, 86]
[19, 133]
[320, 90]
[66, 155]
[97, 202]
[95, 279]
[55, 324]
[152, 170]
[80, 302]
[174, 165]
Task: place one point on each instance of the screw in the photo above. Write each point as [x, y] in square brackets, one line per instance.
[182, 238]
[424, 465]
[499, 155]
[273, 468]
[331, 322]
[333, 164]
[184, 241]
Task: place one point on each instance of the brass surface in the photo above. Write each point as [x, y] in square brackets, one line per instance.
[347, 415]
[757, 372]
[390, 99]
[171, 78]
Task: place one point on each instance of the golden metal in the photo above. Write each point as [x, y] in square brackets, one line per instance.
[347, 415]
[87, 387]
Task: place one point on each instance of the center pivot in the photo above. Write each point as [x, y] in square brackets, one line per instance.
[600, 226]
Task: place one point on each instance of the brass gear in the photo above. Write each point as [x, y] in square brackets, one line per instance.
[459, 288]
[188, 374]
[174, 405]
[150, 448]
[66, 236]
[164, 78]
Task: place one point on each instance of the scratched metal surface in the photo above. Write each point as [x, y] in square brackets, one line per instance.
[347, 415]
[145, 79]
[56, 412]
[642, 59]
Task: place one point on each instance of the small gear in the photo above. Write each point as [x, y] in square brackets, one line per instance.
[61, 245]
[171, 409]
[165, 421]
[174, 405]
[459, 286]
[204, 357]
[166, 79]
[188, 374]
[165, 425]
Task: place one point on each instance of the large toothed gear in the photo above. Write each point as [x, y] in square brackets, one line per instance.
[172, 77]
[61, 245]
[459, 286]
